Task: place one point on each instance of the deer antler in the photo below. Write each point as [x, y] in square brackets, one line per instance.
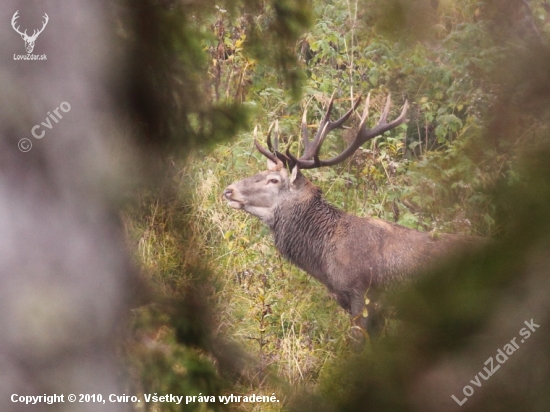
[13, 19]
[272, 151]
[37, 32]
[267, 153]
[310, 158]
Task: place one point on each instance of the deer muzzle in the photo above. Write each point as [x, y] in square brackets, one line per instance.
[228, 193]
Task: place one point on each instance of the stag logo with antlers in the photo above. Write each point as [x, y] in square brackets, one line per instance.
[29, 40]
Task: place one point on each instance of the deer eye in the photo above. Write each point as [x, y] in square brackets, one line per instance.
[274, 181]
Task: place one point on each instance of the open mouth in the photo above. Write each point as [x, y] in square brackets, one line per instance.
[234, 203]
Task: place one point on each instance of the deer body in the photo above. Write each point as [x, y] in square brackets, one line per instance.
[352, 256]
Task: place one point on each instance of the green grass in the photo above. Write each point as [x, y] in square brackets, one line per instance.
[283, 320]
[278, 313]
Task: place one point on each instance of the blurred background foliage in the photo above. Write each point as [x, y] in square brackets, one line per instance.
[221, 312]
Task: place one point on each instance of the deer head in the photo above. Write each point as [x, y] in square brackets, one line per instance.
[29, 40]
[261, 194]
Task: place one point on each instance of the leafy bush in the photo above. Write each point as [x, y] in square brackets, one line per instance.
[435, 173]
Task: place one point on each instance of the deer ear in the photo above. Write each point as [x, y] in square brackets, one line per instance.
[271, 164]
[294, 174]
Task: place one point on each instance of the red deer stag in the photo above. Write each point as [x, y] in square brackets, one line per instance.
[350, 255]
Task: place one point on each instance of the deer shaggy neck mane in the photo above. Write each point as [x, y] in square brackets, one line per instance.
[304, 228]
[352, 256]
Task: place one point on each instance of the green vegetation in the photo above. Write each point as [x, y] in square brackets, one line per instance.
[264, 326]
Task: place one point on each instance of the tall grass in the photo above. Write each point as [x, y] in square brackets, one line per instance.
[277, 312]
[283, 318]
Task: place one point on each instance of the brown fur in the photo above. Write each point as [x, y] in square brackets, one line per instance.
[350, 255]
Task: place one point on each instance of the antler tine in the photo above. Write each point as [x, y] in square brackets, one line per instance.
[329, 108]
[329, 126]
[365, 114]
[338, 123]
[291, 160]
[305, 137]
[326, 126]
[305, 133]
[268, 139]
[386, 111]
[262, 149]
[274, 155]
[13, 22]
[276, 145]
[383, 125]
[363, 135]
[312, 148]
[324, 131]
[46, 20]
[310, 159]
[35, 32]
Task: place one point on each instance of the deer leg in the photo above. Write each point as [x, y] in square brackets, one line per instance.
[366, 314]
[359, 322]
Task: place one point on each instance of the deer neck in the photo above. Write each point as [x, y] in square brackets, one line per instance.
[303, 229]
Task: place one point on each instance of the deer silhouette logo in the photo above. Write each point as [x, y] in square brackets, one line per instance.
[29, 40]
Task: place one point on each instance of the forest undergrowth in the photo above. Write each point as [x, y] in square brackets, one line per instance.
[433, 174]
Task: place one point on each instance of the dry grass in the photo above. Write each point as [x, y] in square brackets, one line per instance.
[282, 318]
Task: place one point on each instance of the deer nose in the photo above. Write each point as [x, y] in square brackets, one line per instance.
[228, 192]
